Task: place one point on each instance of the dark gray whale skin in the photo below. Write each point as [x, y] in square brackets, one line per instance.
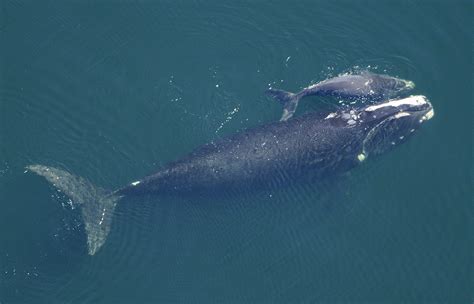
[272, 155]
[262, 157]
[375, 86]
[310, 147]
[365, 85]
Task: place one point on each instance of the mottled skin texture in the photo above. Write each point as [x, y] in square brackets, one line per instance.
[358, 86]
[273, 155]
[364, 85]
[265, 156]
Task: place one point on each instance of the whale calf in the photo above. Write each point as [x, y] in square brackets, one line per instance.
[269, 156]
[349, 86]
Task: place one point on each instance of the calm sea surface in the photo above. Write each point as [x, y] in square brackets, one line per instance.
[112, 90]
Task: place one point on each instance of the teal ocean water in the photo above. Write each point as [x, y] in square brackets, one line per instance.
[112, 90]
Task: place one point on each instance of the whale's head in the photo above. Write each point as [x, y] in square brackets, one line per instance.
[387, 124]
[392, 86]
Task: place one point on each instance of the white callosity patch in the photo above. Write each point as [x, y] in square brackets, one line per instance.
[346, 116]
[331, 115]
[409, 84]
[135, 183]
[351, 118]
[416, 100]
[401, 114]
[429, 115]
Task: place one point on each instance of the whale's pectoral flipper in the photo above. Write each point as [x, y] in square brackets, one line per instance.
[96, 204]
[287, 99]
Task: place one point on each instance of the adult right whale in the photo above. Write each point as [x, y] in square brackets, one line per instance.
[270, 156]
[349, 86]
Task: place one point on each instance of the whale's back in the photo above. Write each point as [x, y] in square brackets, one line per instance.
[265, 156]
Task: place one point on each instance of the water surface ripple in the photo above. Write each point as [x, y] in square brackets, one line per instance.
[111, 91]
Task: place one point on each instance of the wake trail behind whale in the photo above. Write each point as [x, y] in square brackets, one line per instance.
[96, 204]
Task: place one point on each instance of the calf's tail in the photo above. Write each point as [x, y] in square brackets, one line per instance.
[287, 99]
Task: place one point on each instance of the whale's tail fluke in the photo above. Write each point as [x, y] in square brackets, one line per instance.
[96, 204]
[287, 99]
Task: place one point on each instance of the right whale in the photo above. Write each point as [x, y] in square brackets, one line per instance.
[348, 86]
[271, 156]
